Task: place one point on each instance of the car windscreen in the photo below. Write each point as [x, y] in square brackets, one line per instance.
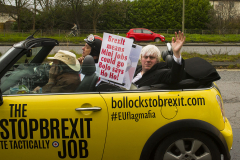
[5, 54]
[24, 76]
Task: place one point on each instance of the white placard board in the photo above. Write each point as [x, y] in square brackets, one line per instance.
[114, 56]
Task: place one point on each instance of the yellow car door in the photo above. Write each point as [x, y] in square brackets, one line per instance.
[133, 117]
[63, 126]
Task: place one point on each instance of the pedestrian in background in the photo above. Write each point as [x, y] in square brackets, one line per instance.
[74, 29]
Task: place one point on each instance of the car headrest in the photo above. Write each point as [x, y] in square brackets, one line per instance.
[168, 60]
[88, 66]
[108, 87]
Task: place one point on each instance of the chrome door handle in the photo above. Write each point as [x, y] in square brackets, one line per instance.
[89, 109]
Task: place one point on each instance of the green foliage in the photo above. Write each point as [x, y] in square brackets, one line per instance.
[212, 58]
[207, 38]
[167, 14]
[14, 37]
[77, 55]
[152, 14]
[197, 14]
[236, 66]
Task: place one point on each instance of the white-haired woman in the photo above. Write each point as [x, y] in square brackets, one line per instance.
[152, 71]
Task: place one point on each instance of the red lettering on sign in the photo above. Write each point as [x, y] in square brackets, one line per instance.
[106, 52]
[116, 40]
[113, 76]
[117, 70]
[121, 56]
[108, 60]
[104, 66]
[103, 73]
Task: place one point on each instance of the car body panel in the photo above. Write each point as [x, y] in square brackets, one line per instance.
[158, 114]
[228, 134]
[63, 128]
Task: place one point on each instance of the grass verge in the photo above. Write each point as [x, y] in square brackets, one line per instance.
[212, 58]
[64, 38]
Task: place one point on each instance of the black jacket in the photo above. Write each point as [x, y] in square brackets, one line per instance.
[160, 73]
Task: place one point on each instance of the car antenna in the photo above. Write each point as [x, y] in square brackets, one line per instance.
[30, 37]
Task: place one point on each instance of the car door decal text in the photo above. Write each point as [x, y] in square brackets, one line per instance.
[18, 132]
[126, 102]
[132, 116]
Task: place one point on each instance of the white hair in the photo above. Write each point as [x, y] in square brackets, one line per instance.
[150, 50]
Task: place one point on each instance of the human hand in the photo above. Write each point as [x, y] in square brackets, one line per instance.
[36, 90]
[177, 45]
[53, 72]
[81, 60]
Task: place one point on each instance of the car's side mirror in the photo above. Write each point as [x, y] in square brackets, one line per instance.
[1, 98]
[29, 53]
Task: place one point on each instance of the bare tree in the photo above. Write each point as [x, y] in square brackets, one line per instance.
[224, 15]
[76, 9]
[44, 4]
[34, 13]
[20, 9]
[95, 11]
[50, 11]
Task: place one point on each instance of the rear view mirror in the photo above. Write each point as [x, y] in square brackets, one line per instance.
[1, 98]
[29, 53]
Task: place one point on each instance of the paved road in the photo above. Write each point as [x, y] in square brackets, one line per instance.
[202, 49]
[229, 85]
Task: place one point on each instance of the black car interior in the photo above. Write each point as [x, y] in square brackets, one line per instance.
[34, 73]
[89, 81]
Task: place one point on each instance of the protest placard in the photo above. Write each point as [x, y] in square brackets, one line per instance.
[131, 66]
[114, 57]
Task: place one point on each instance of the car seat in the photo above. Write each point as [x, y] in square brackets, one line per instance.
[89, 81]
[108, 87]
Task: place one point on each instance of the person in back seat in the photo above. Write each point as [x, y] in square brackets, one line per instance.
[92, 47]
[152, 71]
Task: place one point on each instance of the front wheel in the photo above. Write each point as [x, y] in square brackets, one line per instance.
[157, 40]
[132, 39]
[187, 145]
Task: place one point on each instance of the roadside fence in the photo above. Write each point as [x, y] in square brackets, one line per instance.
[83, 32]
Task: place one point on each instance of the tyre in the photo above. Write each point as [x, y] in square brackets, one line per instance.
[188, 145]
[132, 39]
[157, 40]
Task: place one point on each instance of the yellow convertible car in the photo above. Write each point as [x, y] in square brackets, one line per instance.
[104, 122]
